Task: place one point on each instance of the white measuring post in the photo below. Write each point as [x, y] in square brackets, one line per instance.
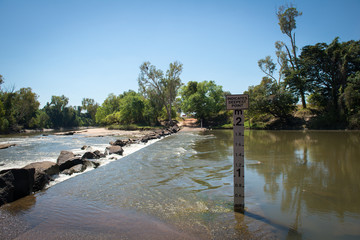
[238, 103]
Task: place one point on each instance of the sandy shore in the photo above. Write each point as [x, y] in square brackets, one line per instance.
[190, 125]
[192, 129]
[100, 132]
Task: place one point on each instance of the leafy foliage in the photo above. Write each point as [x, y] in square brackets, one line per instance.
[205, 100]
[270, 98]
[160, 90]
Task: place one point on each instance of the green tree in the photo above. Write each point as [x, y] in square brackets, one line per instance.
[25, 106]
[1, 80]
[268, 67]
[270, 98]
[110, 105]
[131, 108]
[19, 108]
[351, 97]
[288, 55]
[60, 114]
[204, 99]
[7, 99]
[91, 107]
[172, 84]
[329, 68]
[4, 124]
[163, 89]
[41, 120]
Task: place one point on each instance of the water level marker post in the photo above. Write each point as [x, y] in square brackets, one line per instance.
[238, 103]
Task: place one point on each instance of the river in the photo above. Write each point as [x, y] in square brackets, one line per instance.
[298, 185]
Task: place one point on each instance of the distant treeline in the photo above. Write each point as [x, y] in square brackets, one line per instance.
[157, 100]
[325, 78]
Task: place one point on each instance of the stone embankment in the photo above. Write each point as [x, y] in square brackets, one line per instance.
[18, 183]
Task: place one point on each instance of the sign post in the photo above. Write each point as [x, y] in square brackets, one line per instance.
[238, 103]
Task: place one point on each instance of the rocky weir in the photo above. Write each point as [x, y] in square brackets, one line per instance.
[19, 182]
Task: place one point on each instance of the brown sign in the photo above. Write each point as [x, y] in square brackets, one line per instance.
[234, 102]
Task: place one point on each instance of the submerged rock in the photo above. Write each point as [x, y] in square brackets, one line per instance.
[65, 133]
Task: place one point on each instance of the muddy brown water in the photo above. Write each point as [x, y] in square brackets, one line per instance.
[299, 185]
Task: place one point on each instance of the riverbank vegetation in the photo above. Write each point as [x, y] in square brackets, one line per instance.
[325, 78]
[316, 88]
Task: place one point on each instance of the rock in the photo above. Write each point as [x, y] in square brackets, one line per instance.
[160, 132]
[40, 180]
[99, 154]
[119, 142]
[64, 156]
[174, 129]
[7, 145]
[23, 182]
[114, 149]
[91, 155]
[2, 164]
[50, 168]
[84, 147]
[43, 172]
[70, 163]
[89, 163]
[74, 169]
[6, 188]
[65, 133]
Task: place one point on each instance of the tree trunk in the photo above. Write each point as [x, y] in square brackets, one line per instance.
[303, 99]
[168, 111]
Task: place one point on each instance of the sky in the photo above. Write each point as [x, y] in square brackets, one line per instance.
[89, 49]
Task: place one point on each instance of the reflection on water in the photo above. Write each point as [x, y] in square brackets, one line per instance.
[311, 177]
[299, 185]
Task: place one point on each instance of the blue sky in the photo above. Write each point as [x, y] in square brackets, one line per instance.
[88, 48]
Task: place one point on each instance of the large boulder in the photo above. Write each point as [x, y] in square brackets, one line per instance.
[74, 169]
[23, 181]
[64, 156]
[43, 172]
[67, 160]
[114, 149]
[91, 155]
[120, 143]
[50, 168]
[6, 188]
[70, 163]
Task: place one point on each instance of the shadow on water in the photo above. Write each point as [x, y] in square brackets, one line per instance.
[291, 233]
